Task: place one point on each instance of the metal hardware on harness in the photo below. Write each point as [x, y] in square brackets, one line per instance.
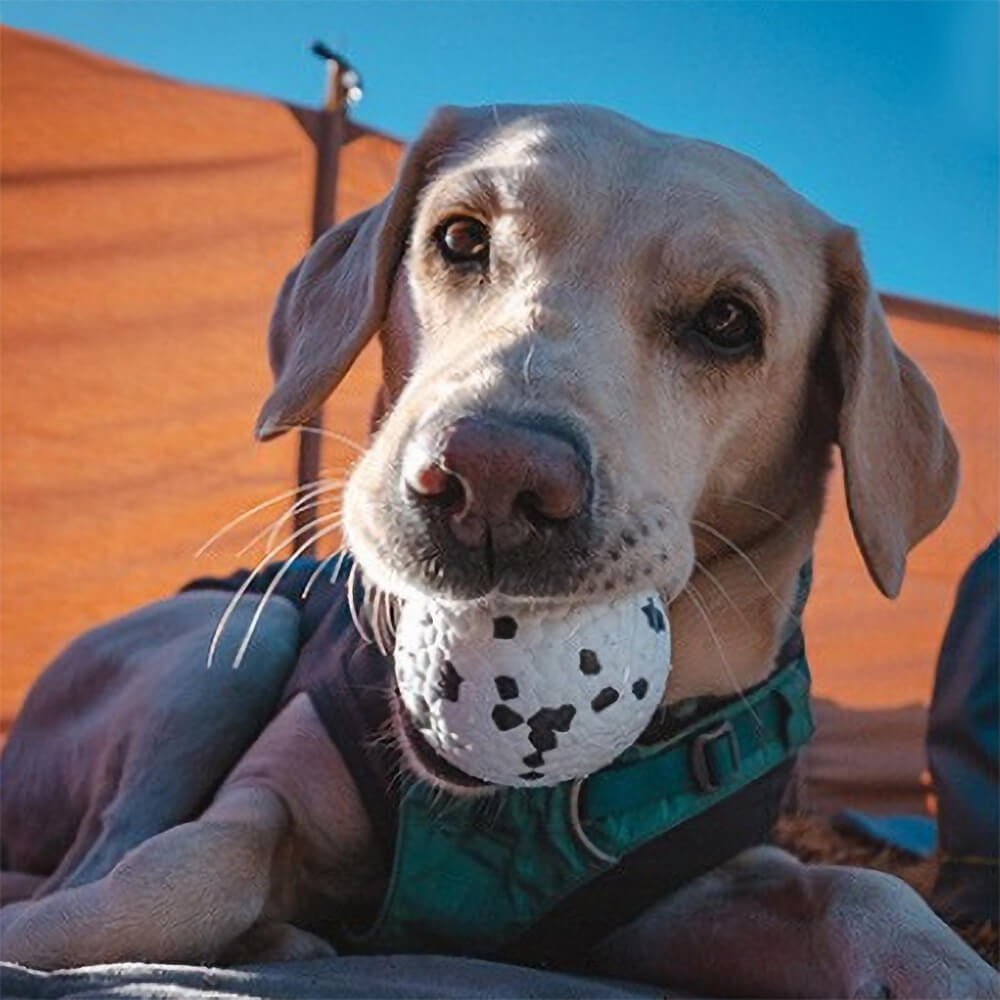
[699, 761]
[577, 826]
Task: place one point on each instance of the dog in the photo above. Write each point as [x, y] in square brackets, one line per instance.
[612, 358]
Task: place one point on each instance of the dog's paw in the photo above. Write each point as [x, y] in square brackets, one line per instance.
[893, 945]
[274, 941]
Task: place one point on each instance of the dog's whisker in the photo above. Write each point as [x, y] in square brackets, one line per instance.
[227, 614]
[379, 623]
[390, 616]
[779, 600]
[233, 602]
[316, 573]
[339, 566]
[379, 601]
[374, 610]
[731, 498]
[325, 519]
[352, 603]
[273, 529]
[366, 610]
[495, 810]
[238, 595]
[273, 585]
[693, 594]
[388, 625]
[335, 487]
[229, 525]
[399, 772]
[320, 514]
[323, 432]
[722, 590]
[526, 371]
[315, 500]
[330, 483]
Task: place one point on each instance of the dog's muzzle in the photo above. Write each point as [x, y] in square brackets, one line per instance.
[492, 495]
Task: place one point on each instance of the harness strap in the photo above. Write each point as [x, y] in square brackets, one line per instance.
[722, 752]
[479, 874]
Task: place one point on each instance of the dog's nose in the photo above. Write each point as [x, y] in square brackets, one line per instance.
[498, 481]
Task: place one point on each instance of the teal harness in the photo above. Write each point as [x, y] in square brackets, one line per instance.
[505, 875]
[473, 876]
[493, 876]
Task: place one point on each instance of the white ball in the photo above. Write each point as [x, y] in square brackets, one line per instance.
[526, 697]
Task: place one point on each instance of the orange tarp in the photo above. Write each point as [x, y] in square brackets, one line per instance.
[146, 227]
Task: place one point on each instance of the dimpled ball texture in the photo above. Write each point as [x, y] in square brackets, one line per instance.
[527, 696]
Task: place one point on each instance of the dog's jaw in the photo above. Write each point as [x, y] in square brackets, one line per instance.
[421, 759]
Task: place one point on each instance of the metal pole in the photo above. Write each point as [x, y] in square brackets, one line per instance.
[329, 138]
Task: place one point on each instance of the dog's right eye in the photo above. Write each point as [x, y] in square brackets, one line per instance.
[727, 327]
[464, 240]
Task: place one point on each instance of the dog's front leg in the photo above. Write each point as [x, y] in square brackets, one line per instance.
[181, 896]
[766, 925]
[276, 941]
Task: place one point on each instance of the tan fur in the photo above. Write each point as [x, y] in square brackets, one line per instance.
[599, 223]
[718, 474]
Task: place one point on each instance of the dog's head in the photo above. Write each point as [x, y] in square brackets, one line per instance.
[612, 358]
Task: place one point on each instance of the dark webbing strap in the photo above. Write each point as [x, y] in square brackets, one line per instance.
[353, 706]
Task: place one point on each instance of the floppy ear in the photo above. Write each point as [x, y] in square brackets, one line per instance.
[335, 299]
[900, 462]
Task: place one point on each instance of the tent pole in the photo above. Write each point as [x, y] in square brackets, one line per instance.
[328, 138]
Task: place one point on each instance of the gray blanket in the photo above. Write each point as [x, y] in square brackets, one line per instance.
[379, 978]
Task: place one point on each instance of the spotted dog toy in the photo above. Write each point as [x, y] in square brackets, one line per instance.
[532, 696]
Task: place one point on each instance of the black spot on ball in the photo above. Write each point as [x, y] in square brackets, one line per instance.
[546, 722]
[553, 718]
[563, 717]
[640, 687]
[535, 759]
[506, 687]
[589, 663]
[604, 699]
[543, 739]
[504, 627]
[654, 616]
[449, 682]
[531, 775]
[505, 718]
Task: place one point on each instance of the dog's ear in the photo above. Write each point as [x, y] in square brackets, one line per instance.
[335, 299]
[900, 462]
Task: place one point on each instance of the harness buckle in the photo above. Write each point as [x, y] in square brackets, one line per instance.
[700, 762]
[576, 826]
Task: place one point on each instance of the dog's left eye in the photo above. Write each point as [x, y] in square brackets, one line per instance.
[729, 325]
[464, 240]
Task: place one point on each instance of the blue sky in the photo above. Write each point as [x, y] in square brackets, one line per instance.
[883, 113]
